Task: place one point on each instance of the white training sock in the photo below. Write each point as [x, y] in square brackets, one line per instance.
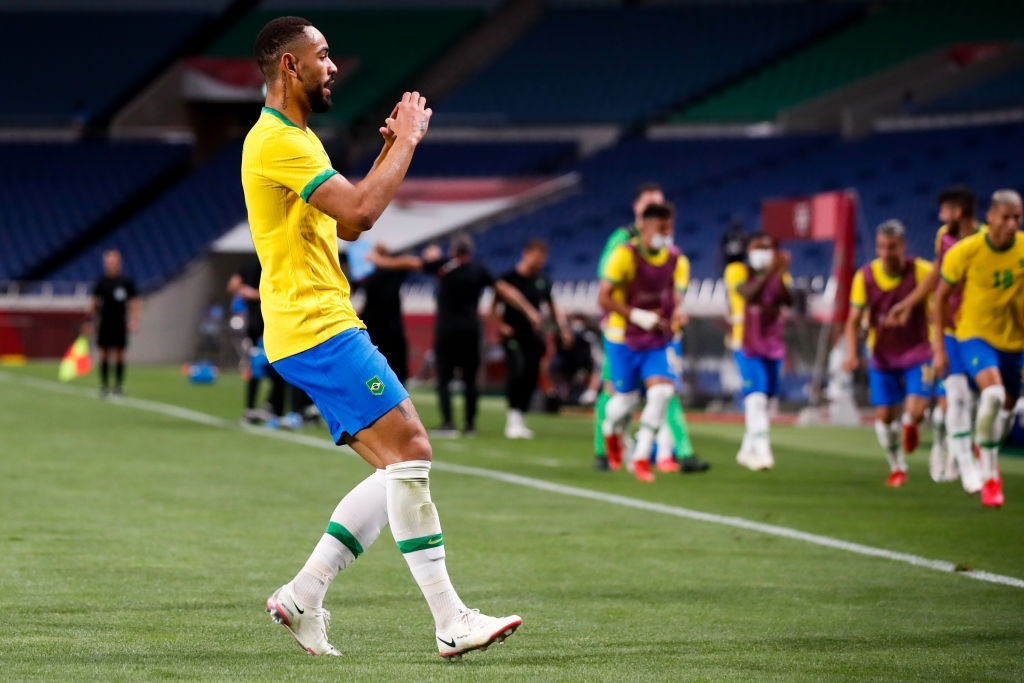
[755, 409]
[888, 439]
[355, 524]
[665, 444]
[958, 431]
[988, 428]
[417, 530]
[651, 419]
[616, 412]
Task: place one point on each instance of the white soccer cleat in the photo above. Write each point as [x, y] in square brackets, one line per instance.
[765, 459]
[747, 458]
[518, 432]
[474, 631]
[970, 474]
[308, 626]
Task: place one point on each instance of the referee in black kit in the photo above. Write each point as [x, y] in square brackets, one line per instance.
[115, 307]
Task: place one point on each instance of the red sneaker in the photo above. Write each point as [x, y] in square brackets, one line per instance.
[613, 449]
[992, 494]
[642, 470]
[911, 438]
[668, 465]
[896, 479]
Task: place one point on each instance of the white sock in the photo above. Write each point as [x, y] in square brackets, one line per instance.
[651, 419]
[958, 426]
[417, 530]
[515, 418]
[665, 443]
[887, 434]
[755, 409]
[988, 428]
[616, 413]
[355, 524]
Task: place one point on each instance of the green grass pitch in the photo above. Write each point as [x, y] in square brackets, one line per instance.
[139, 544]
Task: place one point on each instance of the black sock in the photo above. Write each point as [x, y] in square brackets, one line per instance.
[104, 373]
[119, 373]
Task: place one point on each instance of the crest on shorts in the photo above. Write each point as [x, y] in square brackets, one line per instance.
[375, 385]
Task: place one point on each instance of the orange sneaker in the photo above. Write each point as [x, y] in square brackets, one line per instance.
[911, 438]
[992, 494]
[613, 450]
[668, 465]
[642, 470]
[896, 479]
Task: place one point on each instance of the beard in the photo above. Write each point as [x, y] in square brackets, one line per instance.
[318, 102]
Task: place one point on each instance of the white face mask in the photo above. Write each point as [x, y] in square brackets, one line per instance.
[760, 258]
[659, 242]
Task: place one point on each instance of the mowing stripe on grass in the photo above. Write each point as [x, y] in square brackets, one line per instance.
[539, 484]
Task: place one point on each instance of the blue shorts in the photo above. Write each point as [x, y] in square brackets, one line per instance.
[628, 368]
[956, 363]
[348, 379]
[978, 354]
[760, 375]
[890, 387]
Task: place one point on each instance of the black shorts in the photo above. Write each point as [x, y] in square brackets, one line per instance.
[112, 336]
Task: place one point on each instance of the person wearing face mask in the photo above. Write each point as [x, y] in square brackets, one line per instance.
[900, 368]
[642, 290]
[758, 290]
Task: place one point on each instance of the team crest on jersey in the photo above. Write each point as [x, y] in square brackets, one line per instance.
[375, 385]
[120, 294]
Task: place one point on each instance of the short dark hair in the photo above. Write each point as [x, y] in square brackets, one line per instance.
[961, 197]
[660, 211]
[462, 245]
[761, 235]
[646, 187]
[274, 39]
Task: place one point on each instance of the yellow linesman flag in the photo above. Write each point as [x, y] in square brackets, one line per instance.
[76, 360]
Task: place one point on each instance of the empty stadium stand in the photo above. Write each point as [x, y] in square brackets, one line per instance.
[892, 33]
[53, 194]
[624, 65]
[1002, 92]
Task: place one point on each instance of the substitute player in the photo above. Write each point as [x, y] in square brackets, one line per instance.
[642, 290]
[951, 454]
[899, 372]
[758, 290]
[646, 194]
[989, 326]
[298, 207]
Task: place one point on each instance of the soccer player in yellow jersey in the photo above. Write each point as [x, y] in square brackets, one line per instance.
[951, 454]
[900, 372]
[989, 325]
[298, 207]
[758, 291]
[642, 288]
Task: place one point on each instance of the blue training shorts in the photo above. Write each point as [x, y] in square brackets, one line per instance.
[890, 387]
[628, 368]
[348, 379]
[760, 375]
[978, 354]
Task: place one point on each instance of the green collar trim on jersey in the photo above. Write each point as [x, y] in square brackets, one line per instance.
[280, 116]
[997, 249]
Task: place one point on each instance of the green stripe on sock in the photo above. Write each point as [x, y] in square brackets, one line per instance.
[411, 545]
[989, 444]
[345, 537]
[961, 435]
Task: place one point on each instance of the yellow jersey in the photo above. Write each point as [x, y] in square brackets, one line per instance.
[993, 290]
[620, 269]
[736, 274]
[885, 282]
[304, 295]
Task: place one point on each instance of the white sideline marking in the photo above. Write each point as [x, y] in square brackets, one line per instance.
[538, 484]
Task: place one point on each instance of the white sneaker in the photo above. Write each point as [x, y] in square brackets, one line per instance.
[308, 626]
[518, 432]
[474, 631]
[747, 458]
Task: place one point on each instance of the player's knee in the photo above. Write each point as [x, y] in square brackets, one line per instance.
[416, 447]
[660, 394]
[993, 398]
